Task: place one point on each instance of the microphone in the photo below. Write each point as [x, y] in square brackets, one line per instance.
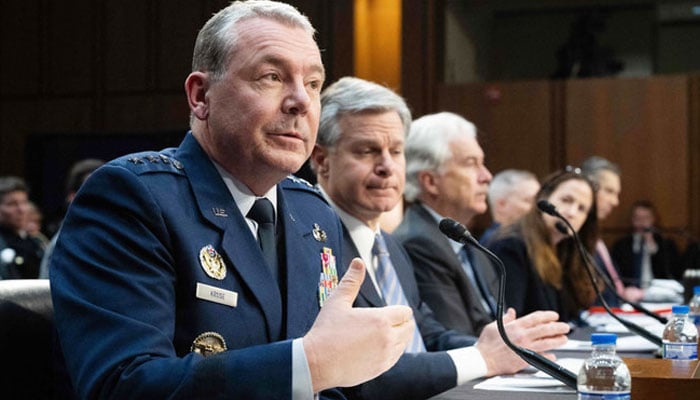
[458, 232]
[561, 227]
[548, 208]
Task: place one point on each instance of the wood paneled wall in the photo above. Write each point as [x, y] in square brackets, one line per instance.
[100, 68]
[649, 126]
[641, 124]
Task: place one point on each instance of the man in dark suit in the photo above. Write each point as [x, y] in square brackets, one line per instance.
[200, 271]
[645, 254]
[359, 163]
[607, 176]
[447, 178]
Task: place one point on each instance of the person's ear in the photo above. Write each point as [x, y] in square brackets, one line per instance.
[319, 162]
[196, 87]
[428, 180]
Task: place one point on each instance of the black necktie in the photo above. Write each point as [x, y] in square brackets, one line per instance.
[264, 214]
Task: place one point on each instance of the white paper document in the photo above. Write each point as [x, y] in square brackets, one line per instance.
[531, 381]
[634, 343]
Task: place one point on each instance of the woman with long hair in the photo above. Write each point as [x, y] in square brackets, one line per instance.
[544, 270]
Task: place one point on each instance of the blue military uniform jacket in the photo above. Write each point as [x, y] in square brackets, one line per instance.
[143, 236]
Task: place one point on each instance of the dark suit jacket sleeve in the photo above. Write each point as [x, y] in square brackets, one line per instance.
[666, 261]
[443, 288]
[621, 254]
[413, 377]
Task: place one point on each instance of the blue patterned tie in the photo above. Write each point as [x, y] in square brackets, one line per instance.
[391, 289]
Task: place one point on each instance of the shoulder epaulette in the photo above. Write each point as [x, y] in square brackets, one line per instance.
[151, 161]
[300, 181]
[295, 183]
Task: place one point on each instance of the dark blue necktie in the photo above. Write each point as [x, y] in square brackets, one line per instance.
[389, 284]
[475, 276]
[264, 214]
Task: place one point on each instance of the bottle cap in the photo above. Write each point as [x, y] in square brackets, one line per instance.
[603, 338]
[696, 290]
[680, 309]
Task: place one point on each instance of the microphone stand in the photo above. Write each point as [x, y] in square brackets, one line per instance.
[561, 227]
[549, 208]
[458, 232]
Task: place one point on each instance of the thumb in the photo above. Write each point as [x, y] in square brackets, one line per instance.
[509, 316]
[349, 285]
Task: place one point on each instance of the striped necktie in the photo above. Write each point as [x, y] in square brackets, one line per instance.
[389, 284]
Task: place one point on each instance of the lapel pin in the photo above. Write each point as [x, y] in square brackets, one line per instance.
[219, 212]
[319, 234]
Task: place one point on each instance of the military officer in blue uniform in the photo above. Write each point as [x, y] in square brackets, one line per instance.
[162, 279]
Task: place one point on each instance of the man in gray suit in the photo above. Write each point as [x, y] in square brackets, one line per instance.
[446, 177]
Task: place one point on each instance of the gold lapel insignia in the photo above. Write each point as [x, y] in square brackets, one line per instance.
[212, 263]
[208, 343]
[319, 234]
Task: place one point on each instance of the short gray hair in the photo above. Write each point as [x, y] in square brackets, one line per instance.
[217, 39]
[428, 146]
[503, 183]
[350, 96]
[593, 165]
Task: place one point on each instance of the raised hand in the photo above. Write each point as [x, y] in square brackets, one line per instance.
[347, 346]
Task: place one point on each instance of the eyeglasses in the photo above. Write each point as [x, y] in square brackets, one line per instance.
[577, 171]
[572, 169]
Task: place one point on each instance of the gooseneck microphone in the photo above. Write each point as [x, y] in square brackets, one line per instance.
[561, 227]
[548, 208]
[459, 233]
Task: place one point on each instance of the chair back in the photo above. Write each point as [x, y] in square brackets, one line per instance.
[26, 337]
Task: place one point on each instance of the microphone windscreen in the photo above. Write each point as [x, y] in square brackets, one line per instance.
[561, 227]
[547, 207]
[453, 229]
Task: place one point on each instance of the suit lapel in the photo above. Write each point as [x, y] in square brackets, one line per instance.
[239, 246]
[447, 254]
[367, 291]
[444, 248]
[303, 269]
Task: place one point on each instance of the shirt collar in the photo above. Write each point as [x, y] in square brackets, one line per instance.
[361, 234]
[456, 246]
[243, 196]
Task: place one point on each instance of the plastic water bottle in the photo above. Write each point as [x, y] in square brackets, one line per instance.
[694, 306]
[604, 375]
[680, 337]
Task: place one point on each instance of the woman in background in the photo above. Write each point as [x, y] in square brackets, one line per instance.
[543, 268]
